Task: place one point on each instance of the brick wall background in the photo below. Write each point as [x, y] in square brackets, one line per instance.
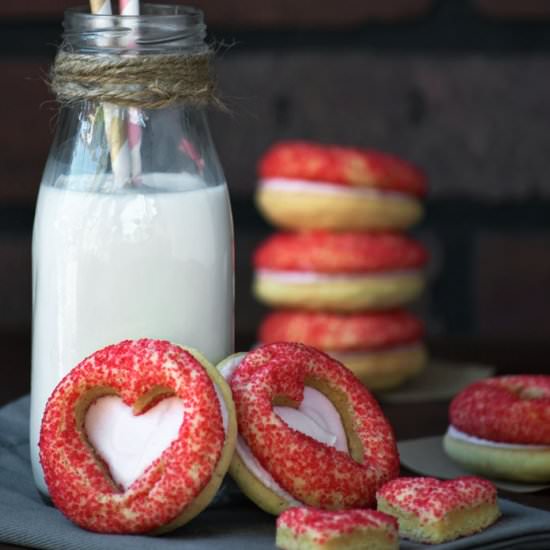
[461, 88]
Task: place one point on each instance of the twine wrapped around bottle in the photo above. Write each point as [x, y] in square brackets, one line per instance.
[144, 81]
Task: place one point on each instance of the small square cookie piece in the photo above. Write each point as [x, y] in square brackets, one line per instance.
[434, 511]
[305, 528]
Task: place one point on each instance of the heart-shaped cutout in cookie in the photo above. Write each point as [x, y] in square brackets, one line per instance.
[129, 443]
[317, 417]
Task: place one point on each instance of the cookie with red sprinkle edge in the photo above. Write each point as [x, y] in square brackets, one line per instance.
[432, 511]
[382, 348]
[342, 332]
[305, 470]
[307, 528]
[341, 165]
[311, 186]
[174, 487]
[500, 427]
[340, 253]
[339, 271]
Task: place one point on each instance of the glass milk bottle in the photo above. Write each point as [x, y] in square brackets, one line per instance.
[133, 234]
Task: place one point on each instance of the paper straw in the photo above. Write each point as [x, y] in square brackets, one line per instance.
[118, 143]
[101, 7]
[126, 8]
[114, 120]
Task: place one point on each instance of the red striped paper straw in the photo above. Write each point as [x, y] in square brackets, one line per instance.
[128, 7]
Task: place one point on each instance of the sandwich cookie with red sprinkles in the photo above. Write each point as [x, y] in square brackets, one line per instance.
[433, 511]
[341, 272]
[309, 432]
[383, 349]
[313, 529]
[306, 185]
[88, 475]
[500, 427]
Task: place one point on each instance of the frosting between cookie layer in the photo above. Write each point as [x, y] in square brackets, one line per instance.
[472, 439]
[324, 187]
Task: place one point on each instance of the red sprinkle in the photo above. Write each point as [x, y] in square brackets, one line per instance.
[341, 165]
[348, 252]
[431, 499]
[323, 525]
[506, 409]
[342, 332]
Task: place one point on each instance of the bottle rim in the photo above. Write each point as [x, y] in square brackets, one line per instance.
[160, 28]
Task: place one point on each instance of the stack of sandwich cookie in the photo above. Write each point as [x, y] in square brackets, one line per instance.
[341, 275]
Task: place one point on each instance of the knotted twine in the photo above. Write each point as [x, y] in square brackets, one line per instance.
[144, 81]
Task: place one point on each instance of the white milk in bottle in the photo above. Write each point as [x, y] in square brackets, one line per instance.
[110, 266]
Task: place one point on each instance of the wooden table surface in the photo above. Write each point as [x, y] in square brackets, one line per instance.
[409, 421]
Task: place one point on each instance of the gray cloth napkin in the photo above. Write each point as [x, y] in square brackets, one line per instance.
[26, 520]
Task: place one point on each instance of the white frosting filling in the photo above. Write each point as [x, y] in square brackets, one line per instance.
[327, 188]
[316, 417]
[227, 366]
[304, 277]
[129, 443]
[223, 408]
[461, 436]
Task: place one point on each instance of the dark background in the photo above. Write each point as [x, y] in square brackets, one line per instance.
[460, 87]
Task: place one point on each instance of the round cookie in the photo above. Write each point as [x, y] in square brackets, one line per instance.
[309, 432]
[383, 349]
[180, 482]
[500, 427]
[311, 186]
[340, 272]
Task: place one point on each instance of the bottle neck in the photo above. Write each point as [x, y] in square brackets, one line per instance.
[133, 92]
[151, 61]
[158, 30]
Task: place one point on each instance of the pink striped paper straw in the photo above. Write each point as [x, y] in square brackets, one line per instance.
[114, 122]
[126, 8]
